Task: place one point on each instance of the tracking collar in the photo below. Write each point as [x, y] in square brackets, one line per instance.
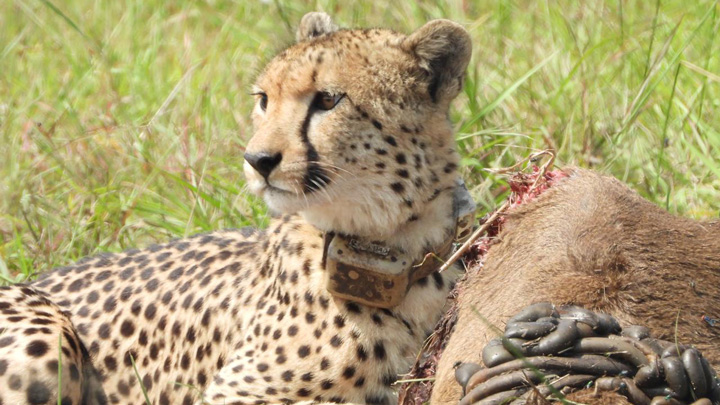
[377, 275]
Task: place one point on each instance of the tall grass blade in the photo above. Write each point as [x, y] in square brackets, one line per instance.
[67, 19]
[142, 386]
[505, 93]
[646, 90]
[663, 137]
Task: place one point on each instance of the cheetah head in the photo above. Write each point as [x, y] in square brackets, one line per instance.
[351, 126]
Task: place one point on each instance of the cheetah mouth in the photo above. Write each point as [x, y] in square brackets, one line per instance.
[279, 199]
[269, 188]
[296, 187]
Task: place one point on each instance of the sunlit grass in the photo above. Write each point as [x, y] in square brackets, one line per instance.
[123, 123]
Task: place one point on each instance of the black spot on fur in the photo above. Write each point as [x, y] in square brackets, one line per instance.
[37, 348]
[379, 350]
[349, 372]
[389, 379]
[336, 341]
[38, 393]
[362, 354]
[324, 364]
[437, 277]
[377, 400]
[7, 341]
[353, 307]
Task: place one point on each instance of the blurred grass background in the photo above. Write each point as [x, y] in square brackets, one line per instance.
[123, 123]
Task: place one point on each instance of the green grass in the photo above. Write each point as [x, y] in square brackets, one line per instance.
[123, 123]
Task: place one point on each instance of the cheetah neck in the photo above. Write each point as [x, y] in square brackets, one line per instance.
[431, 227]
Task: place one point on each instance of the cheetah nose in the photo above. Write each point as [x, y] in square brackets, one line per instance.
[263, 162]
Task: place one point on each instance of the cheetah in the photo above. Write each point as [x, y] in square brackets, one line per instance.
[30, 321]
[352, 145]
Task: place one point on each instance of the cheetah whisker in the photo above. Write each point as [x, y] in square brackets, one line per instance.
[321, 185]
[307, 203]
[332, 166]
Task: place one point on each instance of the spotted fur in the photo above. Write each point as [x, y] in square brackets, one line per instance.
[243, 316]
[41, 354]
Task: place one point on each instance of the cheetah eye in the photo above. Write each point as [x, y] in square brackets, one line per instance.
[262, 99]
[327, 101]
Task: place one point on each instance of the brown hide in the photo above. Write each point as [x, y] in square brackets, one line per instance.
[591, 241]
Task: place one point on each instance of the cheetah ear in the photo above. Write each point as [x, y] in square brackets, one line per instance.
[313, 25]
[443, 49]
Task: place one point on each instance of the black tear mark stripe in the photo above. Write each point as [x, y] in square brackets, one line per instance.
[315, 177]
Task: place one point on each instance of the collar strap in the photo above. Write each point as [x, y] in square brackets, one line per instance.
[380, 276]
